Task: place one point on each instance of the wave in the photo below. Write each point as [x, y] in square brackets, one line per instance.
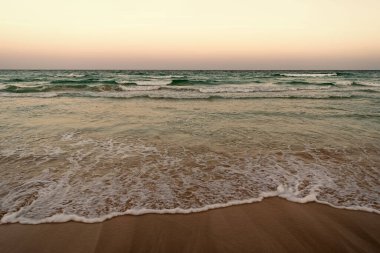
[22, 80]
[344, 74]
[61, 87]
[74, 75]
[287, 96]
[173, 92]
[309, 83]
[132, 88]
[91, 81]
[17, 89]
[206, 96]
[74, 81]
[184, 82]
[215, 81]
[305, 90]
[308, 74]
[361, 83]
[129, 84]
[13, 80]
[150, 82]
[114, 93]
[369, 90]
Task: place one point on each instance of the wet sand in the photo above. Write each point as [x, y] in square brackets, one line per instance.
[274, 225]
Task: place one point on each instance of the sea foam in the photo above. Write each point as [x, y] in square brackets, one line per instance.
[100, 179]
[281, 192]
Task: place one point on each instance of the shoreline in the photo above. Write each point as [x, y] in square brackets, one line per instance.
[273, 225]
[58, 219]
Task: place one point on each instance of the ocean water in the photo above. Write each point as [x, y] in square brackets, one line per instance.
[91, 145]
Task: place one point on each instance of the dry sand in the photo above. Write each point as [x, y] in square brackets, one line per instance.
[274, 225]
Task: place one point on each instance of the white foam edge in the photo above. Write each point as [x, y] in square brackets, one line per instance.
[30, 95]
[281, 192]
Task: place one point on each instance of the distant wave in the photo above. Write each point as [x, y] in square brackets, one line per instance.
[76, 81]
[370, 84]
[185, 96]
[310, 83]
[22, 80]
[74, 75]
[345, 74]
[133, 87]
[184, 82]
[130, 89]
[62, 87]
[128, 83]
[18, 80]
[213, 97]
[17, 89]
[91, 81]
[308, 74]
[192, 84]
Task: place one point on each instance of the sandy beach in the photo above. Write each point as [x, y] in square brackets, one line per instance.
[274, 225]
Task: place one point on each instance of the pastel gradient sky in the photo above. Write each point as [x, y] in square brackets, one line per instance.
[190, 34]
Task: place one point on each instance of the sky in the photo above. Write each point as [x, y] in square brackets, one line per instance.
[190, 34]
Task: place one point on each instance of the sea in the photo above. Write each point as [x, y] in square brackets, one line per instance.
[91, 145]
